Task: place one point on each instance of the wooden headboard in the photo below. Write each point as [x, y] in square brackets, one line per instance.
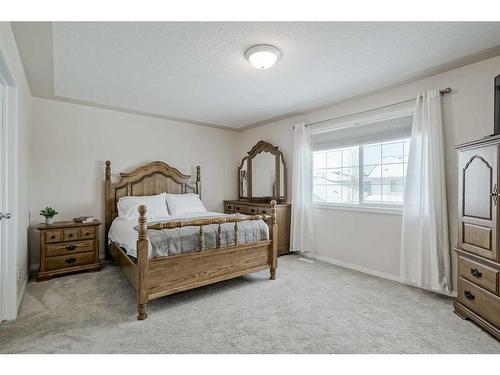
[150, 179]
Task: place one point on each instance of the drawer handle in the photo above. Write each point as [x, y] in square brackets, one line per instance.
[87, 234]
[228, 207]
[52, 237]
[264, 211]
[71, 234]
[237, 208]
[71, 260]
[71, 247]
[468, 294]
[475, 272]
[253, 210]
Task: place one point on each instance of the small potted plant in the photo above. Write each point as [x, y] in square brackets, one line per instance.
[48, 213]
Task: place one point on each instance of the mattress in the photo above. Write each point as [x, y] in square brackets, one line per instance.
[167, 242]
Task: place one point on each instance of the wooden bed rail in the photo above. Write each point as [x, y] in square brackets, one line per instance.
[216, 220]
[207, 221]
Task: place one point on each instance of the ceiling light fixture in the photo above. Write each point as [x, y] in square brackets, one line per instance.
[262, 56]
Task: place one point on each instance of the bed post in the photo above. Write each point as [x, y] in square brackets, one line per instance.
[274, 238]
[198, 181]
[142, 265]
[107, 208]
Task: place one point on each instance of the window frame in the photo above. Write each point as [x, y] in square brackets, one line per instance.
[363, 205]
[399, 110]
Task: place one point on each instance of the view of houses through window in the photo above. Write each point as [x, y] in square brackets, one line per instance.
[362, 174]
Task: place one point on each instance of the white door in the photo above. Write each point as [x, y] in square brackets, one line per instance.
[9, 124]
[2, 242]
[5, 256]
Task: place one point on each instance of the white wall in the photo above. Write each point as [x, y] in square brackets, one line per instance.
[371, 241]
[71, 142]
[10, 52]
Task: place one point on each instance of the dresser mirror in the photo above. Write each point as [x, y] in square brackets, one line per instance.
[243, 178]
[262, 174]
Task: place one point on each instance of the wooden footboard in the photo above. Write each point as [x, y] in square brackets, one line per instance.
[178, 273]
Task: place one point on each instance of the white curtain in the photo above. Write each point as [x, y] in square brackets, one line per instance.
[302, 232]
[425, 250]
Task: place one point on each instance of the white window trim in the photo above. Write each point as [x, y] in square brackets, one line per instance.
[396, 209]
[378, 209]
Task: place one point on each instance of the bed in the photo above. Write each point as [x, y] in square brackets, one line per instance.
[221, 251]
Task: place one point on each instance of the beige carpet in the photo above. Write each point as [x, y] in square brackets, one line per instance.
[310, 308]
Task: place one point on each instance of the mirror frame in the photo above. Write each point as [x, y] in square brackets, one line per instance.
[249, 179]
[263, 146]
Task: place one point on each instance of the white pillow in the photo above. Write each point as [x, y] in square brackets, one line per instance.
[182, 204]
[128, 206]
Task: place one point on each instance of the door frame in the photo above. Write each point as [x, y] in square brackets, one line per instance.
[9, 160]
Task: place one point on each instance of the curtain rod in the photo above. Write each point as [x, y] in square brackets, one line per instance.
[442, 92]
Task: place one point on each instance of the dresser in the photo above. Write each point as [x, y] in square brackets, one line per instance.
[283, 212]
[478, 251]
[67, 247]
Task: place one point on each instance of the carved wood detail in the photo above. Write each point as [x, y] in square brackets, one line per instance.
[478, 291]
[150, 179]
[263, 146]
[280, 191]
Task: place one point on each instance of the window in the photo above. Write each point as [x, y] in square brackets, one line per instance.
[364, 174]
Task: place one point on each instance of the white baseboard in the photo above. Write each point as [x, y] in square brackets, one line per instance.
[368, 271]
[20, 295]
[357, 267]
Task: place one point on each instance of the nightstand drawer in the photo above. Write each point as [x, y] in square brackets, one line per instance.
[87, 233]
[53, 236]
[68, 248]
[71, 234]
[478, 274]
[68, 261]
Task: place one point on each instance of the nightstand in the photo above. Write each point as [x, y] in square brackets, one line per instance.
[67, 247]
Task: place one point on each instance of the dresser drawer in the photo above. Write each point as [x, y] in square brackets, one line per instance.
[478, 274]
[264, 210]
[245, 209]
[68, 248]
[70, 260]
[53, 235]
[482, 302]
[228, 207]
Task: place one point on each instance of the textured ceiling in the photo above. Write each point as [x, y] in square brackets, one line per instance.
[196, 71]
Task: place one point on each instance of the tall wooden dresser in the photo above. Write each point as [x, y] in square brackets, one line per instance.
[283, 212]
[478, 242]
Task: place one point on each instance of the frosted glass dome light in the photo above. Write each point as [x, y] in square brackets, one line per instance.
[262, 56]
